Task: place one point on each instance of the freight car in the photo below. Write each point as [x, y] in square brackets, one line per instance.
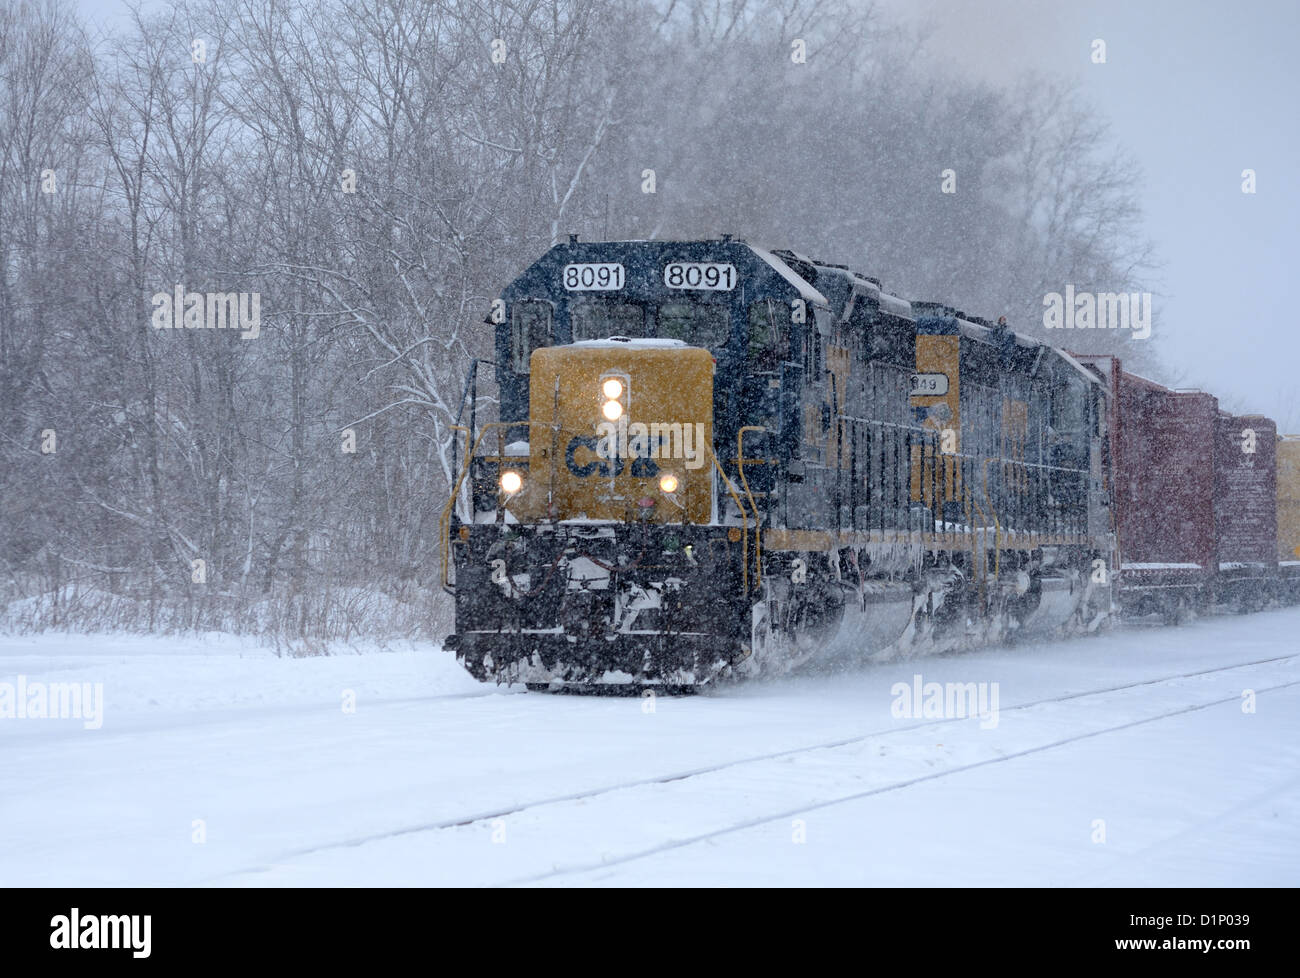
[1196, 499]
[1245, 511]
[712, 459]
[1288, 515]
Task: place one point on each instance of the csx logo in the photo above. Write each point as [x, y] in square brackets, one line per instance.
[614, 444]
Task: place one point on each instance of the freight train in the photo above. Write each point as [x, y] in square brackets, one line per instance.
[715, 460]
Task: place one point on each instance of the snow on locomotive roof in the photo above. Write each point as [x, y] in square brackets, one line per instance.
[854, 285]
[984, 334]
[893, 304]
[624, 342]
[975, 331]
[808, 293]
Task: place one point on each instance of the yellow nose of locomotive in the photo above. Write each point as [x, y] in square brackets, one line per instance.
[621, 430]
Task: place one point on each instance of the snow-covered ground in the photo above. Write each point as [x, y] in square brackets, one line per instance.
[1133, 758]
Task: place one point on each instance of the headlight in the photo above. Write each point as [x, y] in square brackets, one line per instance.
[668, 484]
[612, 410]
[612, 388]
[511, 482]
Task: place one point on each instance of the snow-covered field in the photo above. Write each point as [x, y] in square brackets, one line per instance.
[1133, 758]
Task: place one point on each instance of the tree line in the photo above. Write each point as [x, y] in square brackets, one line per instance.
[375, 171]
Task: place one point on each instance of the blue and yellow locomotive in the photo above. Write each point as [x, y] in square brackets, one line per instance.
[712, 459]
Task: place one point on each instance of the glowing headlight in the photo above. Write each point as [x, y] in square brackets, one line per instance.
[612, 388]
[511, 482]
[612, 410]
[668, 484]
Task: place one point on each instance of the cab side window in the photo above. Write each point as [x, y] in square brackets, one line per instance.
[530, 327]
[769, 335]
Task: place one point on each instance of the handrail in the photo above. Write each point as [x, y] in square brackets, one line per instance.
[997, 527]
[969, 496]
[758, 530]
[979, 551]
[468, 435]
[444, 522]
[744, 520]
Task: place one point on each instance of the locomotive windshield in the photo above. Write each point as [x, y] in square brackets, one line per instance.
[699, 324]
[596, 319]
[694, 323]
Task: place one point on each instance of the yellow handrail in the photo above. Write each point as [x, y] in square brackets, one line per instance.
[744, 520]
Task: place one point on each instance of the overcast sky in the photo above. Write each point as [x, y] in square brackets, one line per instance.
[1198, 90]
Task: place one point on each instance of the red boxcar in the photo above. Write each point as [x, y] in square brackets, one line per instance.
[1245, 514]
[1162, 472]
[1195, 497]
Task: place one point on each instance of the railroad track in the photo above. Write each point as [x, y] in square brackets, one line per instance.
[893, 733]
[803, 809]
